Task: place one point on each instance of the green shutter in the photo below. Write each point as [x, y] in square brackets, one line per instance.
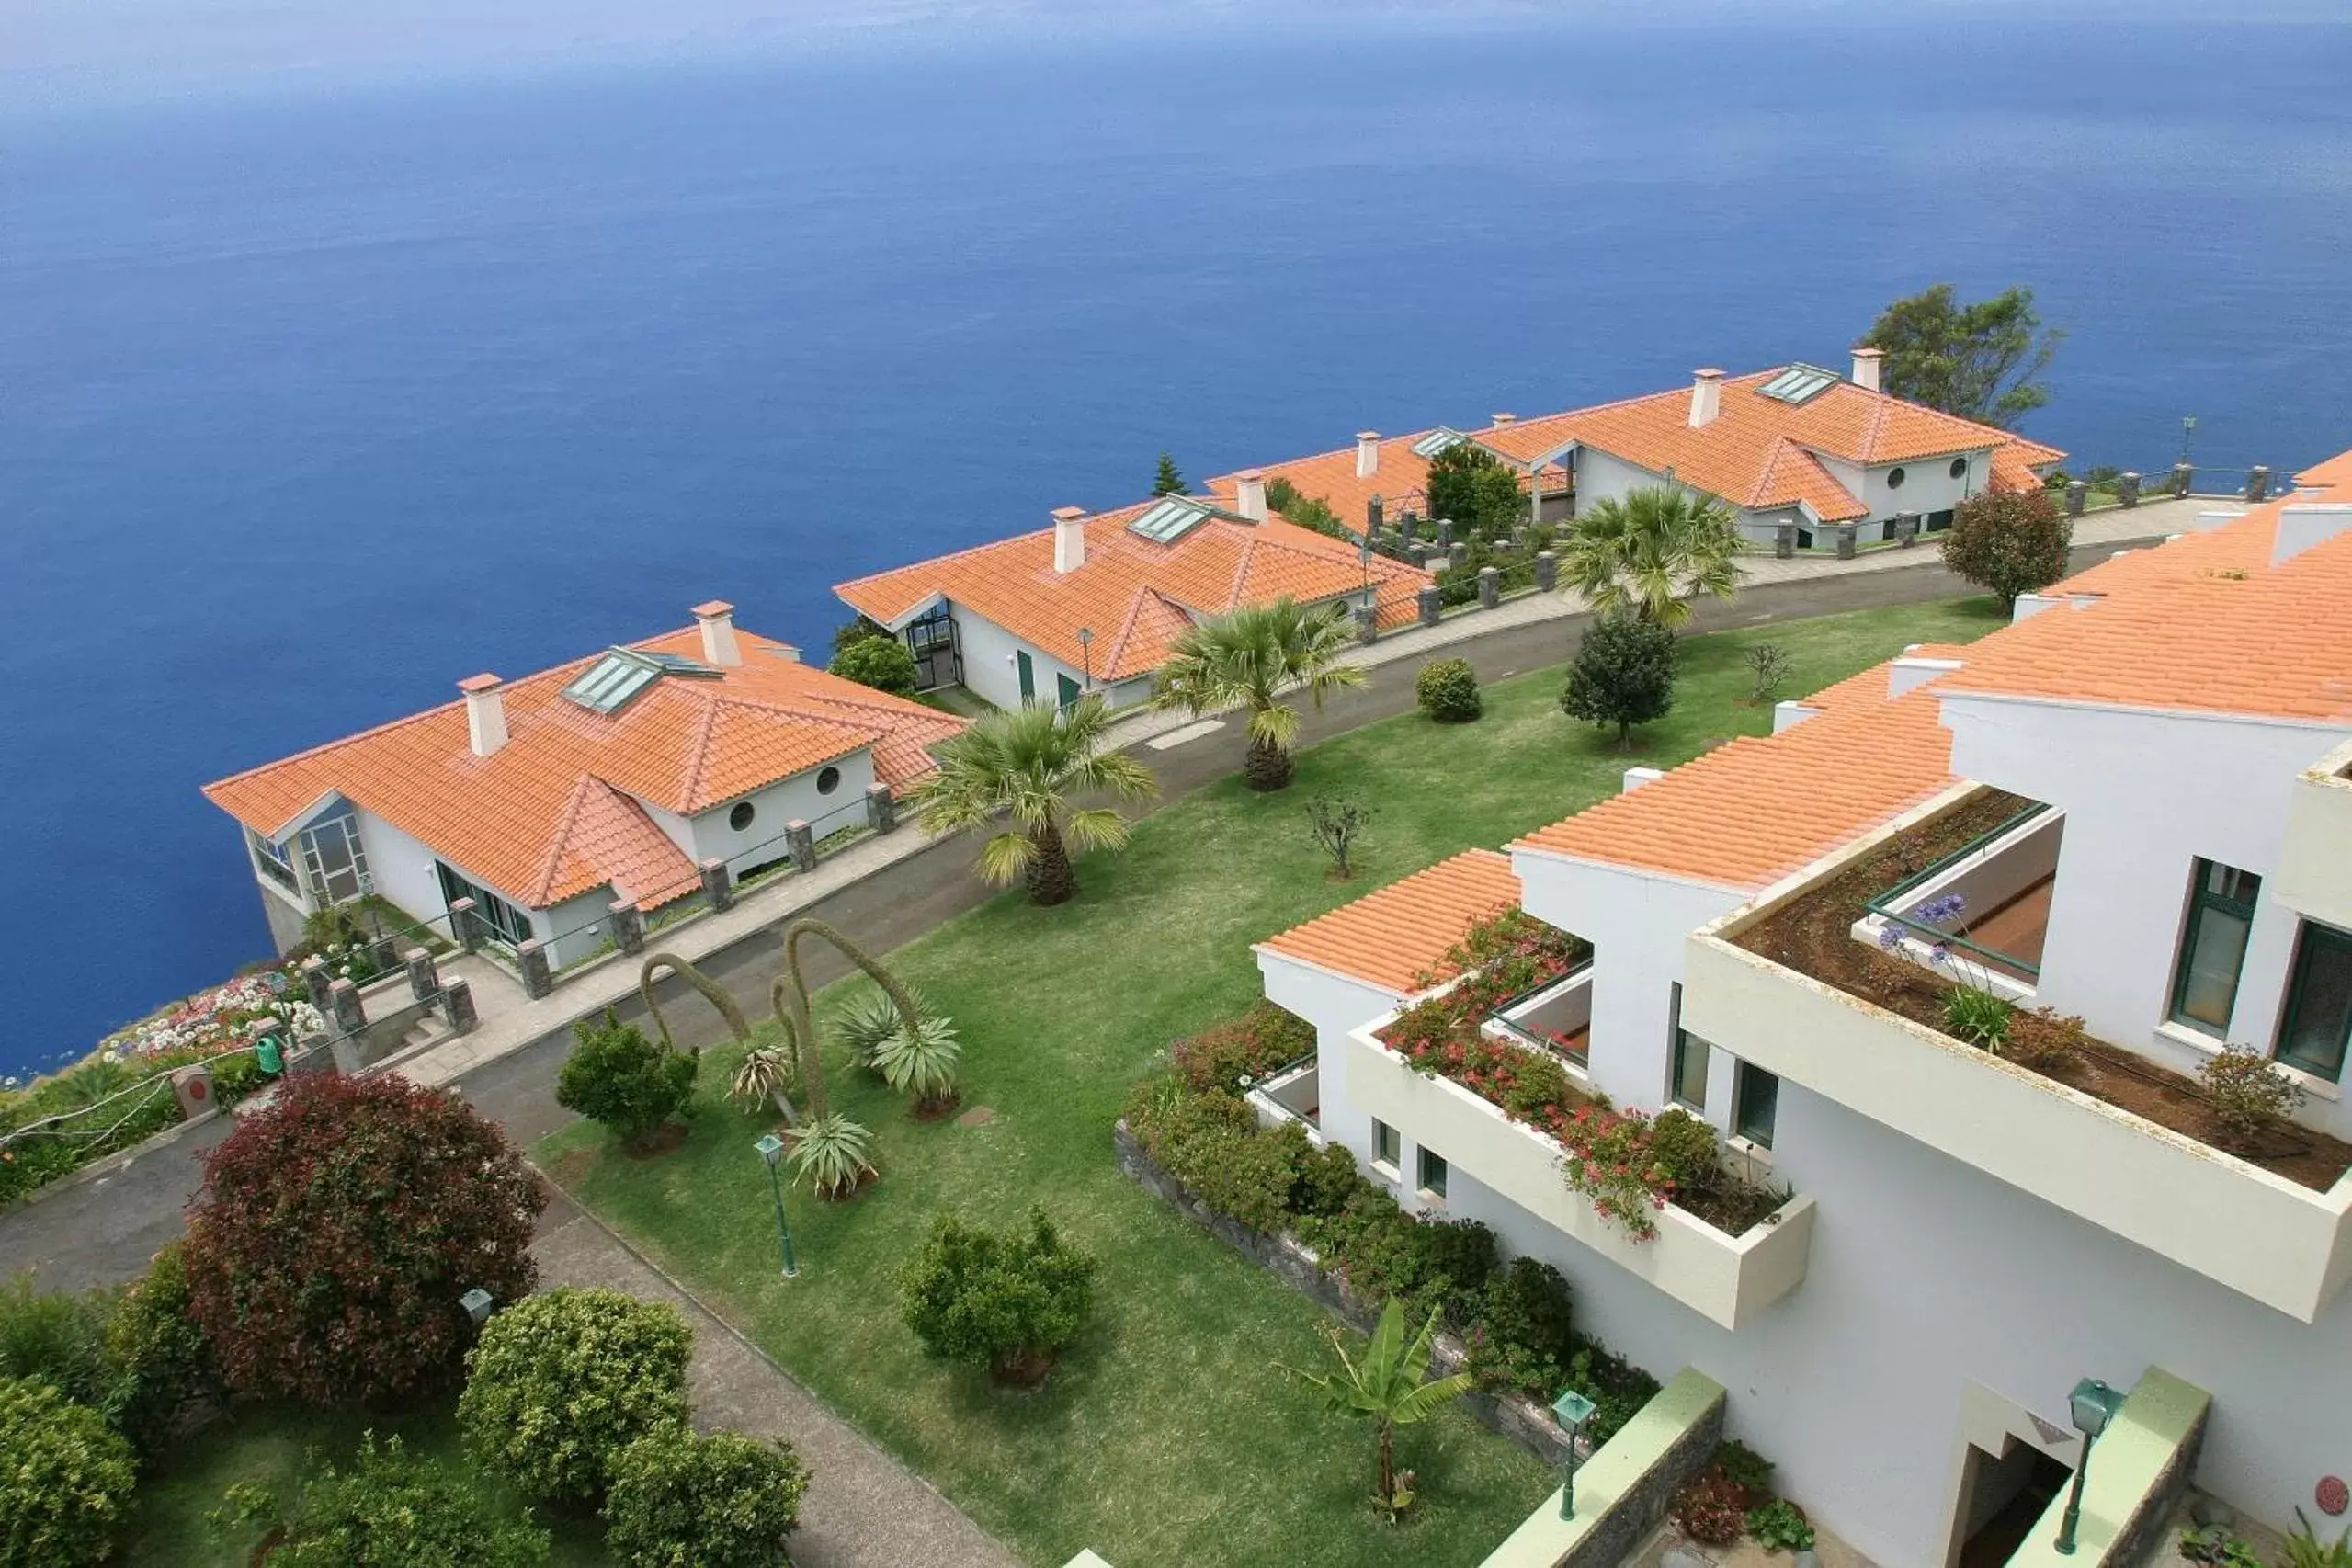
[1028, 675]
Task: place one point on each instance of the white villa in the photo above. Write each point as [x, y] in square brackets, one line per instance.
[2141, 794]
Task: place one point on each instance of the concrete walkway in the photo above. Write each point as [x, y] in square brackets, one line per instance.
[864, 1509]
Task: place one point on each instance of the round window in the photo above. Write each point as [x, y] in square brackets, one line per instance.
[828, 780]
[1960, 468]
[1894, 479]
[740, 818]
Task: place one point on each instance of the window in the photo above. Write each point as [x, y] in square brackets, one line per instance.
[333, 859]
[740, 818]
[1388, 1149]
[2212, 945]
[1755, 1097]
[1027, 667]
[1689, 1055]
[619, 674]
[1936, 522]
[2318, 1021]
[1433, 1175]
[1894, 479]
[501, 919]
[1799, 384]
[1168, 519]
[828, 779]
[1960, 468]
[1066, 692]
[275, 862]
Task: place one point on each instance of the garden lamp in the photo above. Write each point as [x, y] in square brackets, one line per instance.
[1572, 1410]
[477, 1303]
[1086, 651]
[771, 1152]
[2091, 1405]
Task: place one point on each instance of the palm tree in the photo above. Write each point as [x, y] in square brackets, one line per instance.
[1650, 551]
[1023, 765]
[1385, 1385]
[1249, 659]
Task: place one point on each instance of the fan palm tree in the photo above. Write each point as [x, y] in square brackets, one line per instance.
[1250, 659]
[1024, 766]
[1650, 551]
[1385, 1384]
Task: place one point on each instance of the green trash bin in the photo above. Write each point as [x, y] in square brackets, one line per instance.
[266, 1054]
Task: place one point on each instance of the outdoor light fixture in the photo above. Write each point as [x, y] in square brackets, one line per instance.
[477, 1303]
[2188, 428]
[1086, 651]
[2091, 1405]
[1572, 1410]
[771, 1152]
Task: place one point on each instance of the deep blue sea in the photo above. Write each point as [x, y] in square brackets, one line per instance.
[312, 403]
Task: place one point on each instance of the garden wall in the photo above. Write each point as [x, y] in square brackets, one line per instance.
[1624, 1490]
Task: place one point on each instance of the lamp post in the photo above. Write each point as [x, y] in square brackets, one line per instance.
[2092, 1405]
[2188, 428]
[1086, 651]
[1572, 1410]
[771, 1152]
[477, 1303]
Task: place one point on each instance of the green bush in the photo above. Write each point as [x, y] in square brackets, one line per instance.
[1238, 1052]
[236, 1076]
[1779, 1526]
[1744, 1468]
[680, 1501]
[1524, 1337]
[1249, 1177]
[388, 1510]
[618, 1077]
[2249, 1096]
[61, 1340]
[884, 664]
[65, 1479]
[1618, 1388]
[165, 1364]
[561, 1382]
[1010, 1300]
[1538, 1084]
[1624, 674]
[1447, 691]
[1328, 1179]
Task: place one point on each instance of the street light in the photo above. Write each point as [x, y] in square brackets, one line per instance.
[1572, 1410]
[1086, 651]
[477, 1303]
[2092, 1405]
[771, 1150]
[2188, 428]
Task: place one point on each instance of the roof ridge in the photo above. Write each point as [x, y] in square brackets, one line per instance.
[1269, 468]
[553, 861]
[980, 549]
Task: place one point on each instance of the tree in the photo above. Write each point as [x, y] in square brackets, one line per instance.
[387, 1509]
[167, 1366]
[1167, 481]
[1024, 765]
[1447, 690]
[1250, 659]
[1009, 1300]
[1477, 490]
[723, 1501]
[2009, 541]
[336, 1228]
[1386, 1385]
[1769, 663]
[883, 662]
[864, 628]
[562, 1381]
[618, 1077]
[1649, 551]
[1282, 499]
[65, 1479]
[1337, 824]
[1978, 362]
[1624, 674]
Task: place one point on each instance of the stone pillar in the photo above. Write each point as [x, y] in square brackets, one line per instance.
[801, 841]
[1406, 525]
[2127, 488]
[1547, 570]
[2078, 495]
[192, 1086]
[719, 883]
[423, 977]
[1846, 542]
[1784, 542]
[881, 807]
[2184, 477]
[344, 1007]
[1490, 587]
[2258, 484]
[1432, 604]
[456, 1005]
[463, 925]
[1906, 528]
[1458, 555]
[627, 924]
[538, 975]
[1445, 533]
[1368, 623]
[319, 982]
[1372, 518]
[385, 951]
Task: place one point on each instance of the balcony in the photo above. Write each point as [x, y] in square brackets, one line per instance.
[1556, 1018]
[1726, 1279]
[1293, 1093]
[1996, 889]
[2099, 1132]
[2314, 879]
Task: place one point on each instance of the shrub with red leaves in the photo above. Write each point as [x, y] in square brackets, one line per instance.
[337, 1229]
[1710, 1510]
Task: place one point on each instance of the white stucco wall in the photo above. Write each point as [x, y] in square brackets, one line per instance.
[401, 868]
[1336, 1005]
[576, 928]
[797, 797]
[989, 666]
[1928, 484]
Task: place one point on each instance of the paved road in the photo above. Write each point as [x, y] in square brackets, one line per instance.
[104, 1230]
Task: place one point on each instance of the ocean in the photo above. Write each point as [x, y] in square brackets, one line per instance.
[312, 403]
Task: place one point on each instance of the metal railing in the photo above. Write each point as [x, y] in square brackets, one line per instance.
[1979, 848]
[1545, 1042]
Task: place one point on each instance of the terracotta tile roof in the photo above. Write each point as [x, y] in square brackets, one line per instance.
[549, 814]
[1394, 937]
[1135, 594]
[1401, 478]
[1750, 453]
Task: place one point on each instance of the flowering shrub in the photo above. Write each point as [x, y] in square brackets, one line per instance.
[1709, 1511]
[228, 1018]
[1235, 1054]
[1612, 1162]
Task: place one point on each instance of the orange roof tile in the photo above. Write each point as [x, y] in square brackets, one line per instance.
[556, 811]
[1136, 595]
[1395, 938]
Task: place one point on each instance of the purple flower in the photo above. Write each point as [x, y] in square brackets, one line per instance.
[1942, 911]
[1889, 937]
[1940, 953]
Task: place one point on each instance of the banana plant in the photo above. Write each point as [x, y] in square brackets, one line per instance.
[1385, 1384]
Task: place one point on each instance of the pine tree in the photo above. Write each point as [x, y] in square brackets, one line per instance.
[1624, 674]
[1168, 482]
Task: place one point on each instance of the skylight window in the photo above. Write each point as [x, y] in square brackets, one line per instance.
[1799, 384]
[622, 674]
[1168, 519]
[1437, 441]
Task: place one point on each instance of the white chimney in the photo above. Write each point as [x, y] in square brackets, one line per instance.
[1706, 398]
[485, 713]
[1866, 367]
[1069, 537]
[1249, 494]
[1368, 453]
[1502, 419]
[716, 619]
[2302, 525]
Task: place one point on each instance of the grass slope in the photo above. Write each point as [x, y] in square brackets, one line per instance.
[1168, 1436]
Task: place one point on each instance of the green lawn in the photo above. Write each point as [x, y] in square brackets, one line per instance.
[1167, 1436]
[273, 1446]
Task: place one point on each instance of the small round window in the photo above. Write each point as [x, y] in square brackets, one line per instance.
[740, 818]
[828, 780]
[1960, 468]
[1894, 479]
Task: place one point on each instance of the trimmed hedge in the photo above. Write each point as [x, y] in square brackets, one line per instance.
[1447, 690]
[65, 1479]
[561, 1382]
[724, 1501]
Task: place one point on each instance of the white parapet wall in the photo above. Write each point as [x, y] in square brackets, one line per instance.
[1727, 1280]
[2316, 860]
